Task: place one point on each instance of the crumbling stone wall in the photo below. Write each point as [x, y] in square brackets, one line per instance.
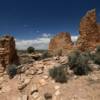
[89, 36]
[8, 54]
[60, 44]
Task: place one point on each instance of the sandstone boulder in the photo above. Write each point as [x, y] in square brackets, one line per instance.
[89, 31]
[60, 44]
[8, 54]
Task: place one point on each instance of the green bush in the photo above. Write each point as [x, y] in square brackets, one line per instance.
[11, 70]
[98, 48]
[58, 73]
[82, 69]
[96, 56]
[78, 62]
[30, 49]
[73, 58]
[46, 55]
[87, 55]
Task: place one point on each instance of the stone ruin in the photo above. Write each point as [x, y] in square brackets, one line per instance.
[89, 36]
[60, 44]
[8, 54]
[89, 31]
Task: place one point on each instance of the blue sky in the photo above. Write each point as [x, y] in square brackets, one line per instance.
[31, 19]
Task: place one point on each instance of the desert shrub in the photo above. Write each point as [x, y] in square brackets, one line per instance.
[87, 55]
[78, 62]
[30, 49]
[11, 70]
[73, 58]
[98, 48]
[82, 69]
[96, 56]
[82, 66]
[46, 55]
[58, 73]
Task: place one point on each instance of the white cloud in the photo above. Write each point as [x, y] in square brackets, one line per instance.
[38, 43]
[74, 38]
[46, 35]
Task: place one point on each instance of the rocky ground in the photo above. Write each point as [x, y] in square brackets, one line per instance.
[34, 83]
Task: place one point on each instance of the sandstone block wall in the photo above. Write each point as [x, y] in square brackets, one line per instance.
[89, 34]
[8, 54]
[60, 44]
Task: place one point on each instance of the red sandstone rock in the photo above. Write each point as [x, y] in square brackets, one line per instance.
[89, 32]
[8, 53]
[60, 44]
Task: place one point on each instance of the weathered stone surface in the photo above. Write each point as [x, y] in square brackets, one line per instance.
[89, 32]
[33, 89]
[48, 96]
[24, 97]
[60, 44]
[35, 95]
[22, 84]
[98, 27]
[8, 53]
[42, 82]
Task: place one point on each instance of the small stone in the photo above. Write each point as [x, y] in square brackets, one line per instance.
[45, 77]
[35, 95]
[48, 96]
[24, 97]
[30, 72]
[57, 87]
[56, 58]
[53, 81]
[1, 79]
[42, 82]
[27, 81]
[94, 77]
[33, 89]
[57, 93]
[6, 89]
[75, 77]
[21, 86]
[95, 67]
[40, 98]
[40, 71]
[63, 60]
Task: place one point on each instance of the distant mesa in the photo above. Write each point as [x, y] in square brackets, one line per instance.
[89, 36]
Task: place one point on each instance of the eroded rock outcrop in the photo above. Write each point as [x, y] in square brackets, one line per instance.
[61, 44]
[89, 32]
[98, 27]
[8, 53]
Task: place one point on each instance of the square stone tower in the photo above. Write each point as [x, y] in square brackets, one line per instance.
[8, 54]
